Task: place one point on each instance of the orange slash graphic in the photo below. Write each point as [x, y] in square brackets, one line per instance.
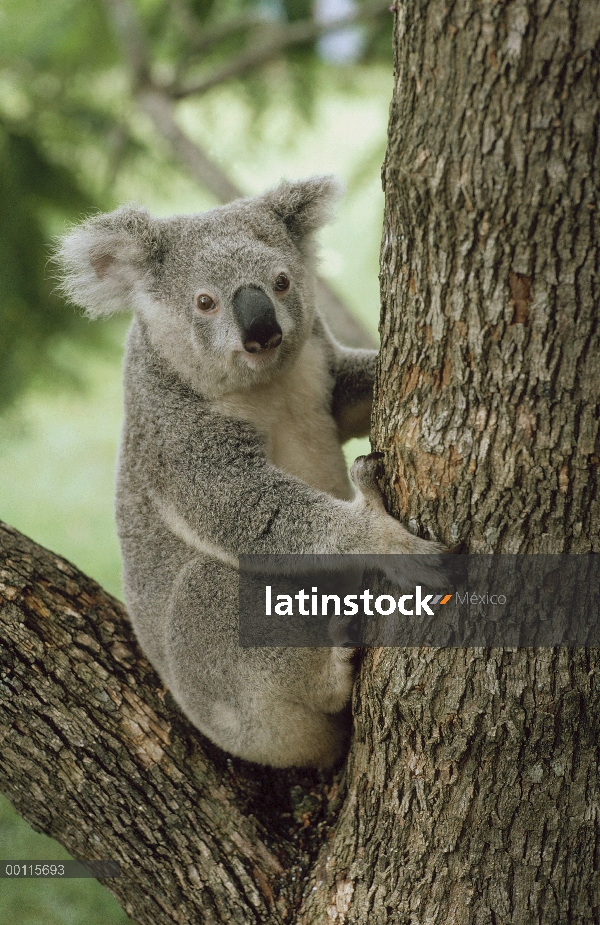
[445, 599]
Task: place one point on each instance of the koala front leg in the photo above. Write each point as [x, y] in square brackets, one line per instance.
[353, 392]
[277, 706]
[390, 536]
[214, 487]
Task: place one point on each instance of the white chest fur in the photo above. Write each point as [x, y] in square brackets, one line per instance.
[292, 414]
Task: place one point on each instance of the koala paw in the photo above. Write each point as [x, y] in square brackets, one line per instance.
[412, 559]
[364, 473]
[407, 558]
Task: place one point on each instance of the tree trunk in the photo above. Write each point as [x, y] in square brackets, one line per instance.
[473, 779]
[471, 791]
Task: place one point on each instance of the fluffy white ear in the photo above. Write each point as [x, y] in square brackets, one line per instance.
[305, 205]
[101, 261]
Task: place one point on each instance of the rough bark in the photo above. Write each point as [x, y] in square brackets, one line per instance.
[471, 790]
[488, 388]
[473, 777]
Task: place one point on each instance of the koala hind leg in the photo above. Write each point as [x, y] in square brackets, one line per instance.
[277, 706]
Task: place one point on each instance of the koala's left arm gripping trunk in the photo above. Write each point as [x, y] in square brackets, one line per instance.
[352, 397]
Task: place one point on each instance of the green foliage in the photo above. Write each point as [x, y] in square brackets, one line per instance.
[34, 194]
[202, 9]
[44, 133]
[297, 9]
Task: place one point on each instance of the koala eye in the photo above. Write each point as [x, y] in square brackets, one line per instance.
[204, 302]
[282, 283]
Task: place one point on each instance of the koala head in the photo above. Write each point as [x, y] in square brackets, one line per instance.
[226, 296]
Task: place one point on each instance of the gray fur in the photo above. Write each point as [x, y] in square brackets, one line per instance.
[225, 452]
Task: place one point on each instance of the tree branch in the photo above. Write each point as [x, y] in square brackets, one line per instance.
[280, 39]
[130, 34]
[95, 754]
[202, 38]
[157, 105]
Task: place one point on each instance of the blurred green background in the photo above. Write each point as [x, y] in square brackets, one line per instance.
[277, 93]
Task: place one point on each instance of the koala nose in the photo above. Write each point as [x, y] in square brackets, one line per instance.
[255, 316]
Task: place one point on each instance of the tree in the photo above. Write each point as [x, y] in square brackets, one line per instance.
[470, 793]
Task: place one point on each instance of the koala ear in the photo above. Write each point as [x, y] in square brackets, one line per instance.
[102, 261]
[305, 205]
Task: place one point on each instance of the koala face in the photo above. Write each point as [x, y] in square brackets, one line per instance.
[231, 300]
[226, 296]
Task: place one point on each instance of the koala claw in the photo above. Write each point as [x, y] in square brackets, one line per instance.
[364, 473]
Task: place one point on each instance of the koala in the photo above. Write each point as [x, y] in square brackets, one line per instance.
[237, 403]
